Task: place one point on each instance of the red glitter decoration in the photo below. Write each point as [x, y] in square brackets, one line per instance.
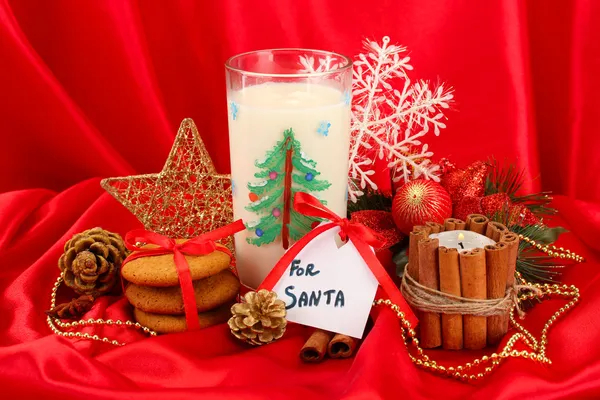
[466, 206]
[492, 204]
[495, 203]
[381, 223]
[521, 215]
[420, 201]
[467, 182]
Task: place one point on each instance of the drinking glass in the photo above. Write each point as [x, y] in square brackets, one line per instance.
[289, 131]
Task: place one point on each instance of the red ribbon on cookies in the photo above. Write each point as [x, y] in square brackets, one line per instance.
[361, 236]
[200, 245]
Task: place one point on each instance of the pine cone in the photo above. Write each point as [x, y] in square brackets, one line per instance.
[91, 262]
[73, 309]
[260, 320]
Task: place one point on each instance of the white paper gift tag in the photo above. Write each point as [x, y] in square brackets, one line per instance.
[328, 287]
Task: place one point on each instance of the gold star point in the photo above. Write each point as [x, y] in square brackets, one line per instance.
[187, 198]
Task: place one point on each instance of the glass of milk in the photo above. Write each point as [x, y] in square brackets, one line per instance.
[289, 132]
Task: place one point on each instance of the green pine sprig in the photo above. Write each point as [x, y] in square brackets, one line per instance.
[533, 266]
[371, 200]
[509, 179]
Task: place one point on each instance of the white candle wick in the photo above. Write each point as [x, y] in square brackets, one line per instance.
[461, 237]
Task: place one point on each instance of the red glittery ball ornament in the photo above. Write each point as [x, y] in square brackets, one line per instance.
[420, 201]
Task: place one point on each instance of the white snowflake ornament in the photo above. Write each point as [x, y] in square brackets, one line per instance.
[388, 122]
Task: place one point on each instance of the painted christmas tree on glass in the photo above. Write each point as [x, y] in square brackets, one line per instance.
[285, 171]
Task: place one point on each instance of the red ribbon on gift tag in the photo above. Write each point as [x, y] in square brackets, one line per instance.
[200, 245]
[362, 238]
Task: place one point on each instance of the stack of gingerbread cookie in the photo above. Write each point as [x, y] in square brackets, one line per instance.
[153, 290]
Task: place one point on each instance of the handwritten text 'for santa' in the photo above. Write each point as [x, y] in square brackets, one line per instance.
[314, 297]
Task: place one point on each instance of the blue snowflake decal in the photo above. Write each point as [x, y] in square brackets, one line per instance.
[233, 109]
[347, 97]
[323, 128]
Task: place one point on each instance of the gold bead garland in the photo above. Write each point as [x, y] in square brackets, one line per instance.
[553, 251]
[486, 364]
[55, 323]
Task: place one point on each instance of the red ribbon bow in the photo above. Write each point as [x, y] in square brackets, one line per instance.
[200, 245]
[361, 236]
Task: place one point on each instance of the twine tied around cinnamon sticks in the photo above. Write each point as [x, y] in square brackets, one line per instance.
[431, 300]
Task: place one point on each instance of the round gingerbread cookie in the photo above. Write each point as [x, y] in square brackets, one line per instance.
[176, 323]
[160, 270]
[210, 292]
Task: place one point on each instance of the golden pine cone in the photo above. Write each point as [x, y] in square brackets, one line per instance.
[260, 319]
[91, 262]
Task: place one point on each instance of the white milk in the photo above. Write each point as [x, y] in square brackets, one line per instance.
[262, 113]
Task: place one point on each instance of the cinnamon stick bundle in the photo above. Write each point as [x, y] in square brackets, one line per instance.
[512, 241]
[477, 223]
[315, 347]
[473, 286]
[430, 323]
[413, 251]
[495, 230]
[342, 346]
[434, 227]
[452, 324]
[454, 224]
[496, 260]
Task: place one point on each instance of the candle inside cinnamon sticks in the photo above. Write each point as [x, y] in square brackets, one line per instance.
[454, 224]
[495, 230]
[452, 324]
[473, 286]
[430, 323]
[496, 260]
[315, 347]
[477, 223]
[342, 346]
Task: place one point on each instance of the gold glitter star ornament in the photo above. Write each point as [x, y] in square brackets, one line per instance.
[187, 198]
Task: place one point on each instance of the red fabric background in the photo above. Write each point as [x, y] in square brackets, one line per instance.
[97, 88]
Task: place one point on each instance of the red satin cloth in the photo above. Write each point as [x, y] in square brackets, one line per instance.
[97, 88]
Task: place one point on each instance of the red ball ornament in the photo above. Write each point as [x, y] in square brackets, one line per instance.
[420, 201]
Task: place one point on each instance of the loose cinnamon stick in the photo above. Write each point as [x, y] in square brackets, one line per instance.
[512, 241]
[494, 230]
[430, 323]
[477, 223]
[315, 347]
[496, 261]
[454, 224]
[452, 324]
[413, 252]
[342, 346]
[434, 227]
[473, 286]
